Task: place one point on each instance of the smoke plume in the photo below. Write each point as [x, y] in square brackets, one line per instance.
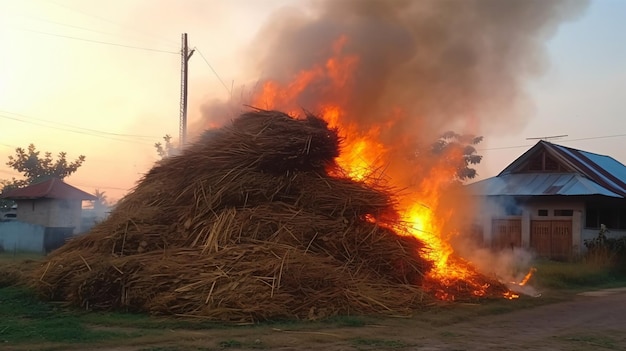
[441, 63]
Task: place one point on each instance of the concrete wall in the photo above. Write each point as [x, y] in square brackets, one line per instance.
[549, 204]
[50, 212]
[528, 211]
[21, 237]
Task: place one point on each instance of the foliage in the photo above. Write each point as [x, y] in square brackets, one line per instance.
[166, 149]
[34, 167]
[101, 204]
[458, 151]
[606, 251]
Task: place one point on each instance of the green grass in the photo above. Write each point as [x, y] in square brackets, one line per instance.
[567, 275]
[26, 319]
[16, 257]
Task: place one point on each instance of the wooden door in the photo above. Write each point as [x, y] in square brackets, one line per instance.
[551, 238]
[507, 233]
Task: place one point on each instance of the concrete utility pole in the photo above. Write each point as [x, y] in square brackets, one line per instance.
[185, 55]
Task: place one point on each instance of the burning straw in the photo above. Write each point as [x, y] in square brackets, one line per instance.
[245, 225]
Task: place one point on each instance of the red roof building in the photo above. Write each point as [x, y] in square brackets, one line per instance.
[51, 203]
[52, 188]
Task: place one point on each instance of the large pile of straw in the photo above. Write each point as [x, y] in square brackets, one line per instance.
[247, 224]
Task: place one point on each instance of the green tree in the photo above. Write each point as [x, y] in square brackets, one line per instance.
[35, 167]
[166, 149]
[458, 151]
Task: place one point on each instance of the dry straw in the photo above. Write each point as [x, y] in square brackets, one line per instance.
[245, 225]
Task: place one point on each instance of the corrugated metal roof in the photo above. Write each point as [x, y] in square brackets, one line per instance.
[604, 169]
[533, 184]
[53, 188]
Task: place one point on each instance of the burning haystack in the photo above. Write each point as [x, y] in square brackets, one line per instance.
[247, 224]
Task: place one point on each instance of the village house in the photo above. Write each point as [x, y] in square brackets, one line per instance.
[551, 199]
[47, 213]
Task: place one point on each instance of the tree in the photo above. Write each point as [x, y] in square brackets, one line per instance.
[167, 149]
[458, 151]
[102, 205]
[34, 167]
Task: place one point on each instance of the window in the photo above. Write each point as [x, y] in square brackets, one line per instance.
[612, 217]
[564, 213]
[513, 210]
[542, 213]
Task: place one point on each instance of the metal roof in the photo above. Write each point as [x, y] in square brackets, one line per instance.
[583, 173]
[605, 170]
[533, 184]
[52, 188]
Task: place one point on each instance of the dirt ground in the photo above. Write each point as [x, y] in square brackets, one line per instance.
[590, 321]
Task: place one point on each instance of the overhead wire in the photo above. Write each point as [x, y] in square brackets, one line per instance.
[71, 130]
[100, 41]
[151, 137]
[564, 140]
[67, 25]
[213, 70]
[112, 22]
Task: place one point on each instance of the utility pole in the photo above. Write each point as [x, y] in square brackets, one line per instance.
[185, 55]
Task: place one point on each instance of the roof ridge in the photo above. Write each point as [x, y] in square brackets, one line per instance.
[51, 186]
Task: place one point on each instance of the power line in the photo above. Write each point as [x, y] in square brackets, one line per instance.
[150, 137]
[71, 130]
[101, 187]
[113, 22]
[99, 41]
[68, 25]
[214, 72]
[566, 140]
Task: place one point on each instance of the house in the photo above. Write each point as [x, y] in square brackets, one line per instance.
[551, 199]
[47, 213]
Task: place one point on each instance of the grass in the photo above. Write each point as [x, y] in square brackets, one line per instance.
[574, 276]
[18, 256]
[27, 320]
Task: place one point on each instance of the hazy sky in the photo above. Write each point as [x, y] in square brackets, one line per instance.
[102, 79]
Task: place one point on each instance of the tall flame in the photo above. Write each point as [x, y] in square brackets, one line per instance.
[363, 150]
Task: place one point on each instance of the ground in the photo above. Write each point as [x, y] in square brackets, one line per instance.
[584, 321]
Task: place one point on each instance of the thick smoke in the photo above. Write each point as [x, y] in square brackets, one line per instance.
[444, 64]
[410, 69]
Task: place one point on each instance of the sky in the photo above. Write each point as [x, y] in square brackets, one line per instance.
[102, 79]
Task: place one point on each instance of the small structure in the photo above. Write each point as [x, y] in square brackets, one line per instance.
[51, 207]
[551, 199]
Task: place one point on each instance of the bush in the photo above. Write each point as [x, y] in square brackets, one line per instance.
[610, 252]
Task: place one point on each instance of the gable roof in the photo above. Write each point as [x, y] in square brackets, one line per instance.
[579, 173]
[52, 188]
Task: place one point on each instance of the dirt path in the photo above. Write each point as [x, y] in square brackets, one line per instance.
[592, 321]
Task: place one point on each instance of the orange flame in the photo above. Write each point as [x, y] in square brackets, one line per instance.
[363, 151]
[527, 277]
